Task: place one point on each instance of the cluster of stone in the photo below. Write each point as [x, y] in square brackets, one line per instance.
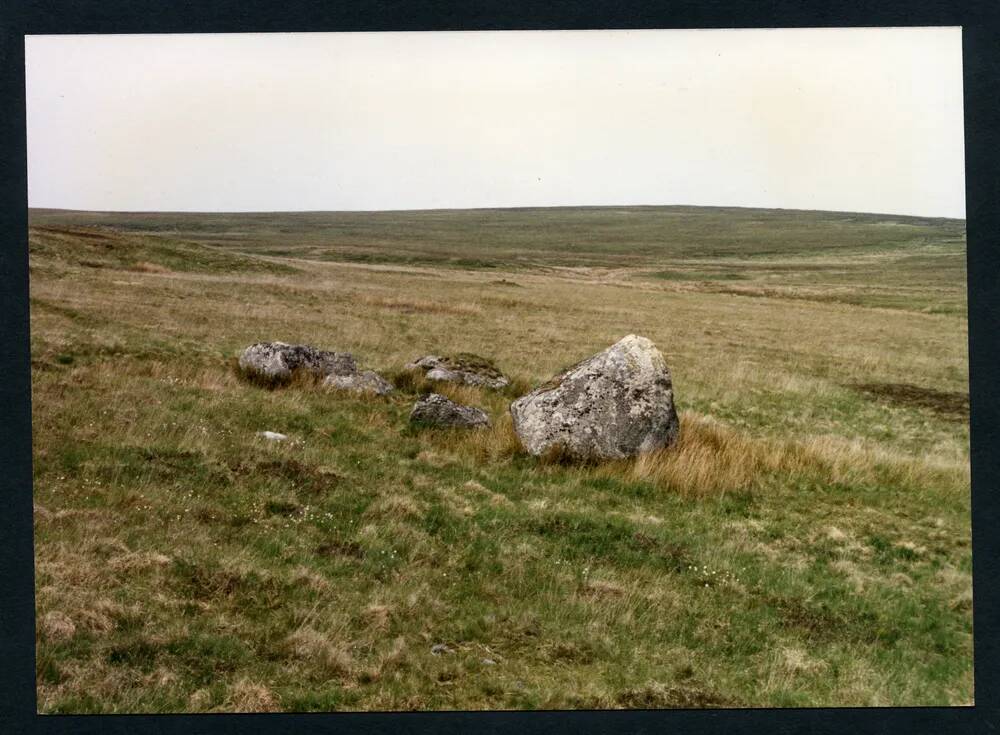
[618, 403]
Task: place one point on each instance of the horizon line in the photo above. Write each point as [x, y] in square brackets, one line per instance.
[487, 209]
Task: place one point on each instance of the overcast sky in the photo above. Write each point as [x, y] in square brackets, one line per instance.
[863, 120]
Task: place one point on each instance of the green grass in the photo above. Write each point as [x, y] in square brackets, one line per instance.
[806, 544]
[93, 248]
[569, 236]
[885, 261]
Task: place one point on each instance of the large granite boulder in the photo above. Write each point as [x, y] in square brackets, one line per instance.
[367, 381]
[461, 368]
[436, 410]
[278, 361]
[616, 404]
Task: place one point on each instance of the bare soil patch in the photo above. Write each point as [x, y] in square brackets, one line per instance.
[951, 405]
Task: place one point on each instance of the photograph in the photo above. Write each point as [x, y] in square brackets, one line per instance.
[499, 370]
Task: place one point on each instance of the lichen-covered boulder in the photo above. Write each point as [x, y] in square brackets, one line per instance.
[436, 410]
[616, 404]
[461, 368]
[278, 361]
[367, 381]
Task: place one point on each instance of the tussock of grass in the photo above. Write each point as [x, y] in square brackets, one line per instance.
[413, 382]
[311, 645]
[248, 696]
[517, 387]
[711, 459]
[496, 442]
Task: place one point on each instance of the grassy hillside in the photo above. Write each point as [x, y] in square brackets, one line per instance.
[807, 543]
[882, 260]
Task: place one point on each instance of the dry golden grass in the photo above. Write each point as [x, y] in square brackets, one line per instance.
[316, 648]
[495, 442]
[247, 696]
[711, 458]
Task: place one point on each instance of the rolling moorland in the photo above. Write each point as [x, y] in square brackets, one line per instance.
[806, 543]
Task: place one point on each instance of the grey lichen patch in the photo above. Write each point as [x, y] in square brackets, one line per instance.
[463, 367]
[437, 410]
[275, 363]
[616, 404]
[366, 382]
[472, 363]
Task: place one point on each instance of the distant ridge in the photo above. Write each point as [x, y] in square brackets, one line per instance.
[707, 208]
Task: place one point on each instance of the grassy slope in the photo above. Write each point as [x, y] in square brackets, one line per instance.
[869, 259]
[806, 544]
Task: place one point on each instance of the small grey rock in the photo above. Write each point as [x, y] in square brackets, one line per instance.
[363, 382]
[436, 410]
[277, 361]
[272, 436]
[488, 662]
[461, 368]
[438, 648]
[616, 404]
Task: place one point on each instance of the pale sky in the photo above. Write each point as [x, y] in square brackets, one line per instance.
[866, 120]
